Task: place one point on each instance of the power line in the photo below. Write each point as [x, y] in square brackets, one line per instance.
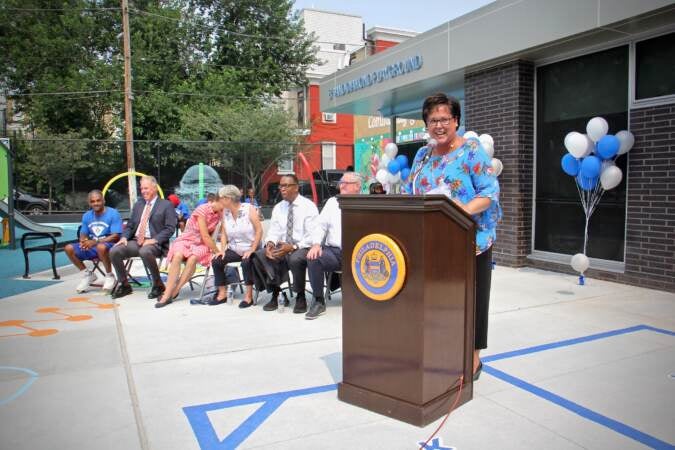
[28, 94]
[59, 9]
[168, 141]
[237, 33]
[143, 91]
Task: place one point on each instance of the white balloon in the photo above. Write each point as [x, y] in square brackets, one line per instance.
[606, 163]
[626, 139]
[610, 177]
[470, 134]
[580, 262]
[596, 128]
[590, 146]
[488, 144]
[393, 179]
[497, 166]
[384, 161]
[483, 138]
[576, 143]
[381, 176]
[391, 150]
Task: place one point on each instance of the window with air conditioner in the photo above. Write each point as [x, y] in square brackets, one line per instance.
[329, 117]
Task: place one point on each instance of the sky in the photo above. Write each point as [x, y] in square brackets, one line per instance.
[408, 15]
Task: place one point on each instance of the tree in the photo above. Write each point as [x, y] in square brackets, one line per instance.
[254, 137]
[191, 60]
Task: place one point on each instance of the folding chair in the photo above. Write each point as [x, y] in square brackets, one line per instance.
[328, 282]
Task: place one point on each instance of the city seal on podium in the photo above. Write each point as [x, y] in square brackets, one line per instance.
[378, 267]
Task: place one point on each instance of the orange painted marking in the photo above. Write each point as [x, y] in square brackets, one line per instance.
[41, 333]
[98, 305]
[78, 318]
[35, 332]
[12, 323]
[107, 306]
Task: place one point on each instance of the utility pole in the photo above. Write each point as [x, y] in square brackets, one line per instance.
[128, 97]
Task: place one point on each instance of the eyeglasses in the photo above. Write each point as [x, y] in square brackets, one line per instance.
[443, 121]
[286, 186]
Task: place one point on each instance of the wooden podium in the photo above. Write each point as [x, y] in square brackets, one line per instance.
[403, 357]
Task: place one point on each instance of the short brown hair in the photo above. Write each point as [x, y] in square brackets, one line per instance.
[438, 99]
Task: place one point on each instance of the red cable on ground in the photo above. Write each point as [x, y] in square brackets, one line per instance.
[454, 404]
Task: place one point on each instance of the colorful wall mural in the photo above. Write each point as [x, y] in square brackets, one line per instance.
[372, 134]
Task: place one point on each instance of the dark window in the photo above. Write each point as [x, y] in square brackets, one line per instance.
[569, 93]
[655, 67]
[301, 108]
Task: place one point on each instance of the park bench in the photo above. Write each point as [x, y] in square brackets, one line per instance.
[28, 246]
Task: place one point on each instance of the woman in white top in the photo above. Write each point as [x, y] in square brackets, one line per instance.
[242, 232]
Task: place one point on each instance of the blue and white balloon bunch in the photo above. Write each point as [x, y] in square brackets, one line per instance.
[393, 168]
[591, 161]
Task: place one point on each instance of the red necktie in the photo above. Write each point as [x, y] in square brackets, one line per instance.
[140, 233]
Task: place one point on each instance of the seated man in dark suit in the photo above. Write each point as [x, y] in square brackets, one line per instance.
[152, 223]
[327, 229]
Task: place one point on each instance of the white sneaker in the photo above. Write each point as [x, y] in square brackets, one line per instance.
[109, 282]
[87, 279]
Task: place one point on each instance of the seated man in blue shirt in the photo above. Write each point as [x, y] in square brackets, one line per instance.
[100, 229]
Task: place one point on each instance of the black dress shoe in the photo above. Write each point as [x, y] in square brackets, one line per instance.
[300, 306]
[163, 304]
[479, 369]
[317, 309]
[271, 305]
[245, 304]
[156, 291]
[122, 290]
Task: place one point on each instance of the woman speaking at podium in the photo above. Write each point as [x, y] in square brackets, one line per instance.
[461, 169]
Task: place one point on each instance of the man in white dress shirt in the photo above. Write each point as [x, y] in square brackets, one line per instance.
[285, 246]
[327, 230]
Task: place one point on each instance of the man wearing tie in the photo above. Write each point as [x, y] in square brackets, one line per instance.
[285, 247]
[152, 223]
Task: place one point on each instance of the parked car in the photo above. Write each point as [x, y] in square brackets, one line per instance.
[31, 204]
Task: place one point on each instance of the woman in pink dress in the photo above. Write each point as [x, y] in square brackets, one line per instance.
[194, 245]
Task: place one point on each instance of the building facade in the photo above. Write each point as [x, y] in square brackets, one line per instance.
[528, 86]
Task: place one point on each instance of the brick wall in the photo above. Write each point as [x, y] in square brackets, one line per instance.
[500, 102]
[650, 232]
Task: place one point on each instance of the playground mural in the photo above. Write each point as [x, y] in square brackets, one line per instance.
[373, 133]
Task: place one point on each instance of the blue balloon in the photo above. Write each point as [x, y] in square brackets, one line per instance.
[608, 146]
[405, 173]
[590, 167]
[587, 184]
[394, 167]
[570, 165]
[402, 161]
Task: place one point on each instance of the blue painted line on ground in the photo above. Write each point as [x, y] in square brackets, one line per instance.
[206, 435]
[582, 411]
[23, 388]
[565, 343]
[208, 439]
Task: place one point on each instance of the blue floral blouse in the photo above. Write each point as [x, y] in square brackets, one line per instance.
[466, 173]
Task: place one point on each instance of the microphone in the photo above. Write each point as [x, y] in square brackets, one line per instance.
[431, 145]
